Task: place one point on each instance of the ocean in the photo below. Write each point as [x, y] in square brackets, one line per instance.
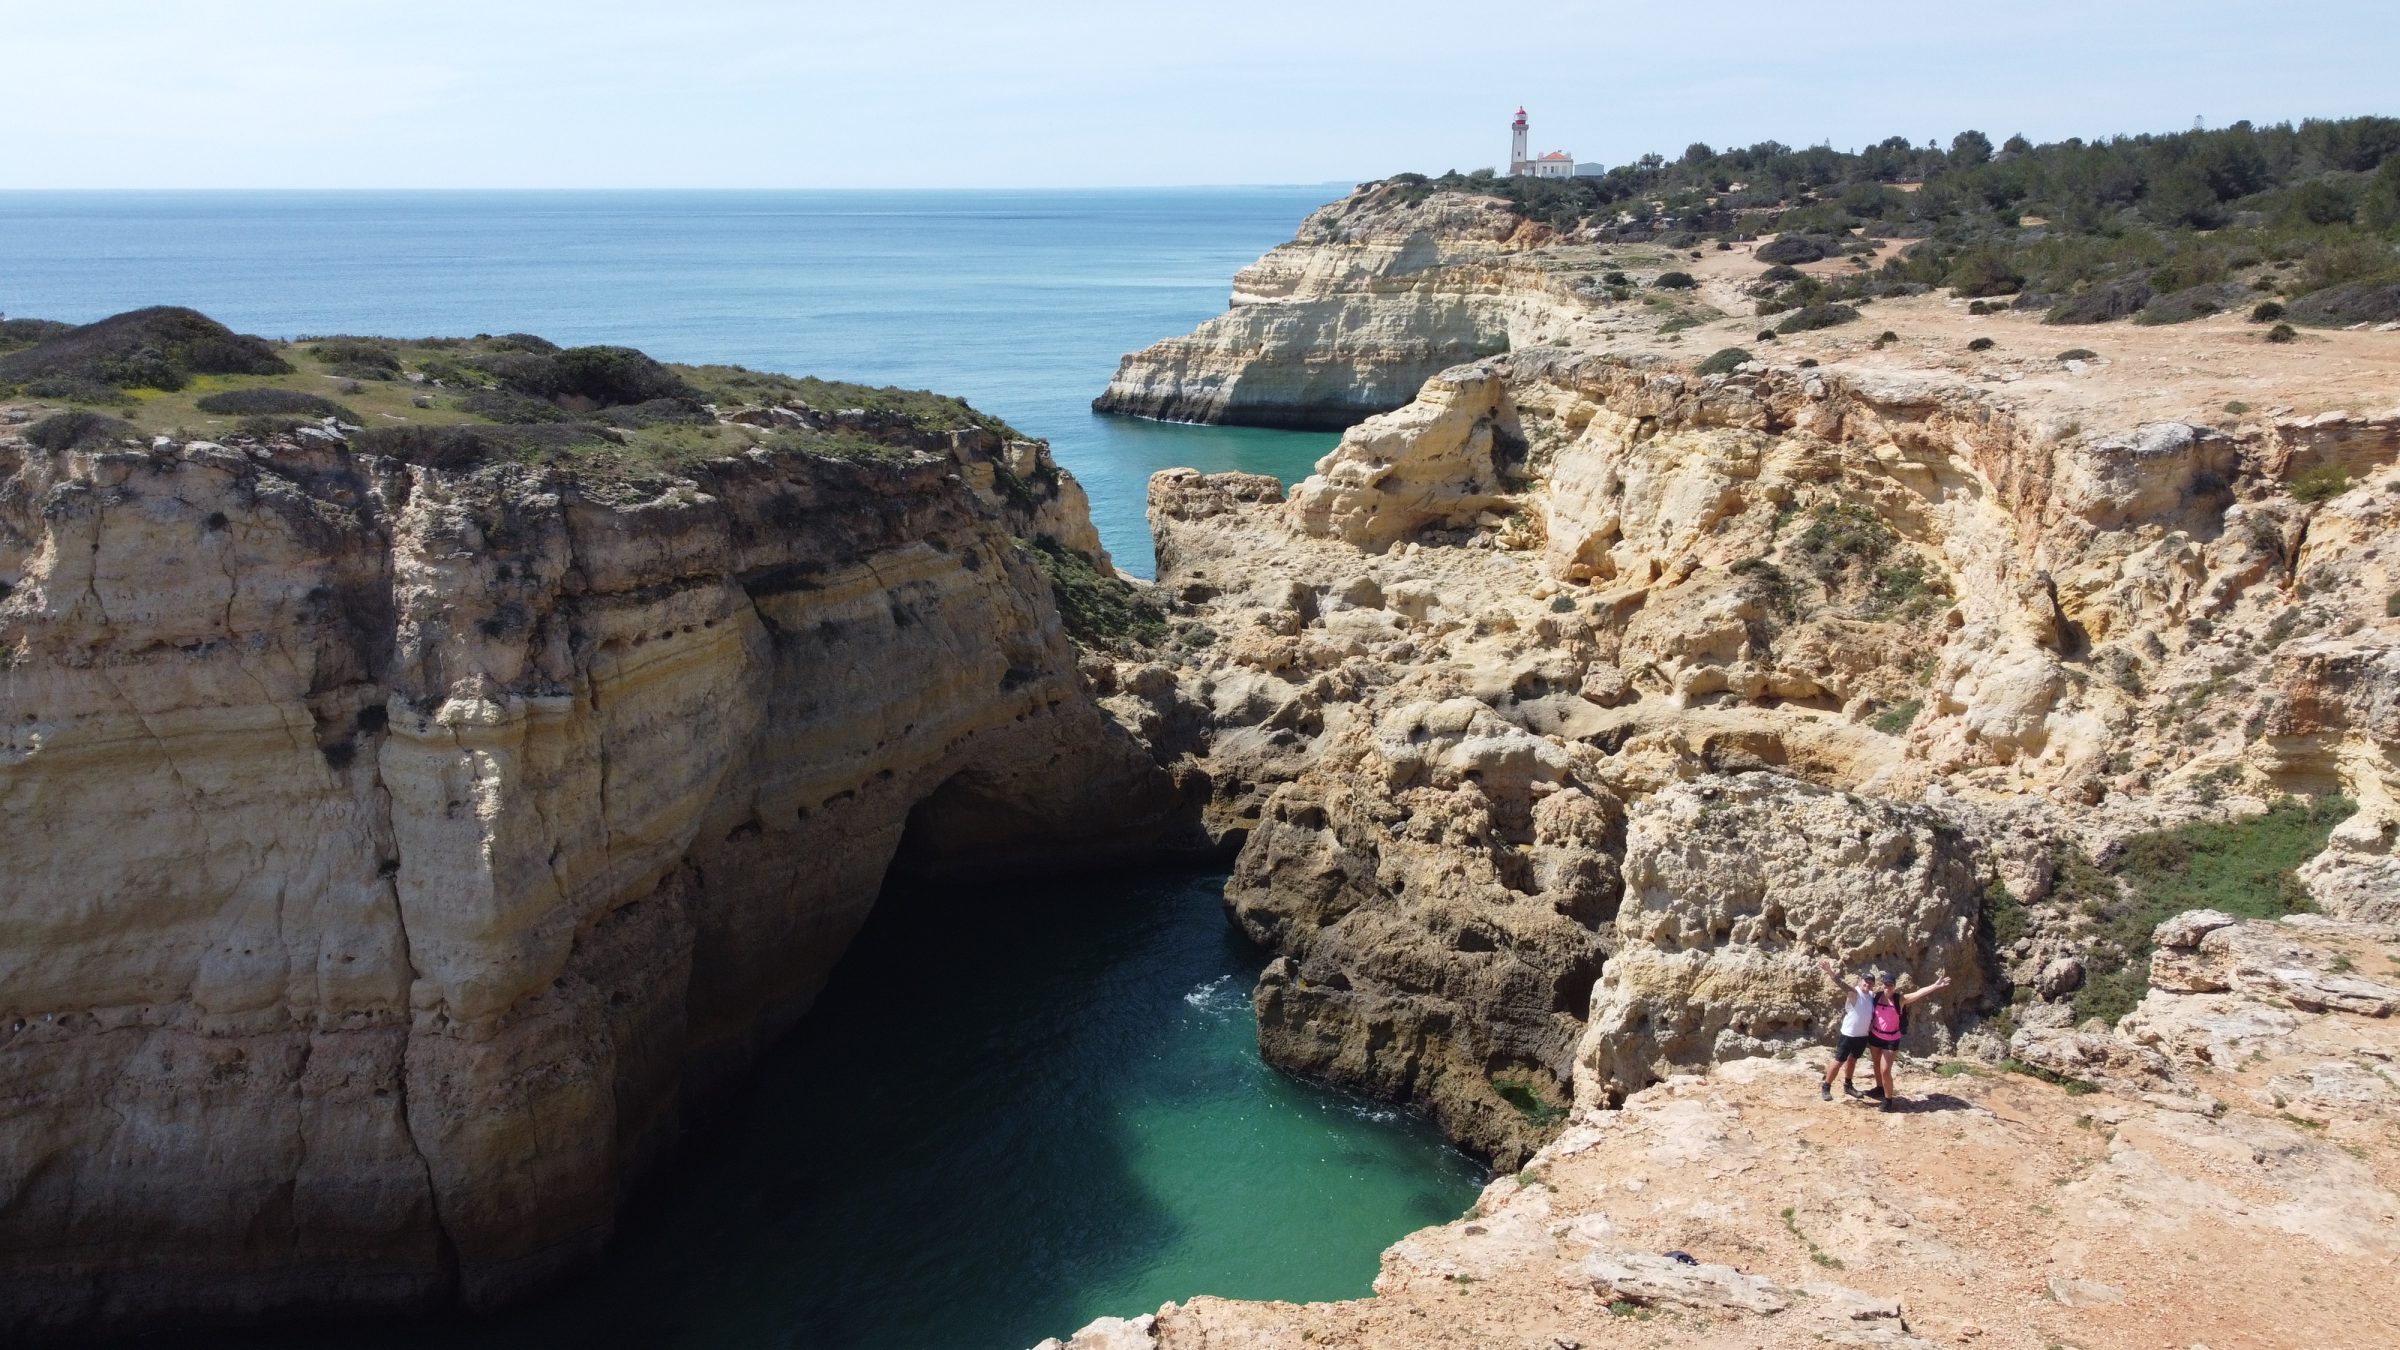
[1011, 1112]
[1019, 302]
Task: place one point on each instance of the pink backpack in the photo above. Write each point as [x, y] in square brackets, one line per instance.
[1887, 1020]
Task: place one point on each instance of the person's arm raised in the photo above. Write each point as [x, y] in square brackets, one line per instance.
[1934, 988]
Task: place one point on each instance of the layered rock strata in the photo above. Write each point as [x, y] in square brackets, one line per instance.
[1375, 293]
[393, 851]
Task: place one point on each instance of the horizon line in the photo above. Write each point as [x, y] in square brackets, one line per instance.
[995, 187]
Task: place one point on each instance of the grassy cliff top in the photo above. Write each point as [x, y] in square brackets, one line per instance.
[452, 402]
[2115, 223]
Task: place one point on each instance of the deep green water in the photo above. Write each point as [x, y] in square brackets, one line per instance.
[1013, 1111]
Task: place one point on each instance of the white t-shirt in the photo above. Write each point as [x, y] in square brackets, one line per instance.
[1859, 1015]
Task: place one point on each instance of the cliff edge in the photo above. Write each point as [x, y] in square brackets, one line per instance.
[404, 824]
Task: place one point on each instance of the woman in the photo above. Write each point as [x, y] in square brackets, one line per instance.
[1888, 1023]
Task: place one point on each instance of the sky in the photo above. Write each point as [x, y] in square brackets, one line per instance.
[1086, 93]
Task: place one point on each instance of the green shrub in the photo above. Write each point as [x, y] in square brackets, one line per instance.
[1102, 611]
[456, 449]
[1674, 281]
[1841, 536]
[2242, 867]
[2283, 332]
[2266, 311]
[2079, 354]
[2101, 304]
[2193, 302]
[1812, 317]
[357, 358]
[2341, 306]
[500, 405]
[78, 430]
[20, 333]
[1538, 1110]
[1985, 273]
[1782, 273]
[1897, 719]
[1723, 361]
[1793, 248]
[157, 348]
[2322, 483]
[273, 402]
[1981, 345]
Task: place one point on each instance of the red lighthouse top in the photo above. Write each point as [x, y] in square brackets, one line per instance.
[1520, 117]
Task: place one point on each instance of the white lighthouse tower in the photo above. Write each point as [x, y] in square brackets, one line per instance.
[1518, 161]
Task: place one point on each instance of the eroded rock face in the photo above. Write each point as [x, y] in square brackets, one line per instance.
[1439, 884]
[2000, 639]
[1373, 296]
[1733, 886]
[392, 851]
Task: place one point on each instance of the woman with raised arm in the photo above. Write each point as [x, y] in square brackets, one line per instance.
[1887, 1023]
[1858, 1013]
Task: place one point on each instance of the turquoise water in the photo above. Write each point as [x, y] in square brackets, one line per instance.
[1020, 302]
[1013, 1111]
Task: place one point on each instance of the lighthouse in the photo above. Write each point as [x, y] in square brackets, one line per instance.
[1518, 163]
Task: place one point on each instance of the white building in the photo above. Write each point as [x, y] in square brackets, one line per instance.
[1556, 164]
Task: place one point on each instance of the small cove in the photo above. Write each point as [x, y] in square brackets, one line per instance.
[1015, 1109]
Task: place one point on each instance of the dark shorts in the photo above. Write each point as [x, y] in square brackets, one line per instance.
[1890, 1046]
[1848, 1047]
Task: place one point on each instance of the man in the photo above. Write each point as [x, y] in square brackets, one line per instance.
[1858, 1018]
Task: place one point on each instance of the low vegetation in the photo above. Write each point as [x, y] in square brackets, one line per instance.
[611, 413]
[2243, 867]
[2189, 223]
[1102, 611]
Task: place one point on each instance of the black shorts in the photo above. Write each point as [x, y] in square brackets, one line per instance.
[1891, 1046]
[1848, 1047]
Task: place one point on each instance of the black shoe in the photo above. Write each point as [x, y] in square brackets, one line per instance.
[1850, 1089]
[1873, 1094]
[1825, 1092]
[1889, 1105]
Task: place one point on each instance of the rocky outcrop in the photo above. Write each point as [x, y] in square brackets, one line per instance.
[392, 851]
[1439, 884]
[1807, 662]
[1732, 1207]
[1375, 294]
[1734, 886]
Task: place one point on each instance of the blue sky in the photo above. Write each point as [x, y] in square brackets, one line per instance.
[874, 93]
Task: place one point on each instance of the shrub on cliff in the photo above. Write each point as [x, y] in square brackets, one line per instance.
[2241, 867]
[456, 449]
[357, 358]
[273, 402]
[16, 334]
[598, 376]
[78, 430]
[1102, 611]
[157, 348]
[1812, 317]
[1674, 281]
[1723, 361]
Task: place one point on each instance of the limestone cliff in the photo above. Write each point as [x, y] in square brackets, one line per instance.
[1375, 293]
[393, 849]
[1584, 700]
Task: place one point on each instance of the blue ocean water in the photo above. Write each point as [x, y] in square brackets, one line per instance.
[1018, 301]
